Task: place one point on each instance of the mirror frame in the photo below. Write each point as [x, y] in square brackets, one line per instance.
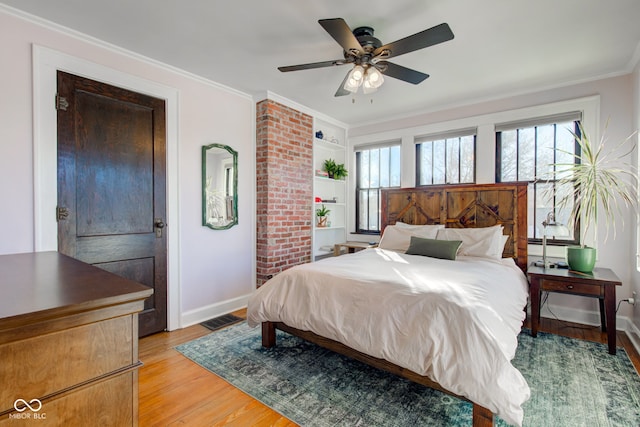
[234, 155]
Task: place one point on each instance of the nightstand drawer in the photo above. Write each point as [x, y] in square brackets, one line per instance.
[574, 288]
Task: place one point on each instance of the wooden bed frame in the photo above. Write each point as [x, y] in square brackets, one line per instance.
[458, 206]
[464, 206]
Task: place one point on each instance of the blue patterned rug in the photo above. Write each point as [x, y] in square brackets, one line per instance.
[573, 383]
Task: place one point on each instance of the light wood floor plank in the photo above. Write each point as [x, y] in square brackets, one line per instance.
[174, 391]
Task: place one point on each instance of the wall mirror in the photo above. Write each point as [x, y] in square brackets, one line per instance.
[219, 186]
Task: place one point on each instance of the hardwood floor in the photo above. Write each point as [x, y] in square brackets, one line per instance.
[175, 391]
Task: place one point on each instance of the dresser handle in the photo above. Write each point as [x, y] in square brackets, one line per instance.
[569, 286]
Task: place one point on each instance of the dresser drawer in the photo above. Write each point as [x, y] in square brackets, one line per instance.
[569, 287]
[47, 364]
[110, 402]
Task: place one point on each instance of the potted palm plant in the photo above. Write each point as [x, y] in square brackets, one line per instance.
[322, 213]
[601, 183]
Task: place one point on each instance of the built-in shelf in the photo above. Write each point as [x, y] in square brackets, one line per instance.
[328, 204]
[323, 252]
[324, 178]
[328, 145]
[333, 227]
[328, 188]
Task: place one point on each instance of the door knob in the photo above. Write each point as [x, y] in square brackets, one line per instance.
[159, 225]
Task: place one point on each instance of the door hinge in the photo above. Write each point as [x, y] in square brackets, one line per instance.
[61, 213]
[61, 103]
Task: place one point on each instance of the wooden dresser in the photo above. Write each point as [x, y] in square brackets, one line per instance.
[68, 343]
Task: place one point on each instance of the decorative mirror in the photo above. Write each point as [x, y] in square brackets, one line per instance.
[219, 186]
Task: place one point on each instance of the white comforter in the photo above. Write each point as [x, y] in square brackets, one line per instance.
[454, 321]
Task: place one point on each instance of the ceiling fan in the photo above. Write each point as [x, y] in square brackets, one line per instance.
[369, 56]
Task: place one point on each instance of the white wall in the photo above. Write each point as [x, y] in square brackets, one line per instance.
[615, 102]
[634, 247]
[211, 272]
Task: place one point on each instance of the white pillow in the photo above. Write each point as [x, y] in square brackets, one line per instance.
[484, 242]
[503, 243]
[419, 227]
[398, 239]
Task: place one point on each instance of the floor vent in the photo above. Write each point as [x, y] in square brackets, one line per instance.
[221, 321]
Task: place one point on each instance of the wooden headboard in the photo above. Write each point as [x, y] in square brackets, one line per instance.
[464, 206]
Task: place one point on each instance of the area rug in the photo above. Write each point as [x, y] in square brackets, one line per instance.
[573, 383]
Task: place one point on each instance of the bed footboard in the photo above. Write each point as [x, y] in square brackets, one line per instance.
[482, 417]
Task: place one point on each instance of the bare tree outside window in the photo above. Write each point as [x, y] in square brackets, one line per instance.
[448, 160]
[527, 153]
[376, 168]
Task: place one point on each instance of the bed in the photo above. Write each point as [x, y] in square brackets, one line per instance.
[453, 328]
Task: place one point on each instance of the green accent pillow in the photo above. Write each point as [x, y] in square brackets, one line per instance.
[443, 249]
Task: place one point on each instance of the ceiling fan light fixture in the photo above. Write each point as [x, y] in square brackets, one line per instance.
[354, 79]
[357, 73]
[367, 87]
[374, 77]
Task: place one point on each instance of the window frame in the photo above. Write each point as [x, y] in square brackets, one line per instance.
[357, 153]
[535, 123]
[459, 134]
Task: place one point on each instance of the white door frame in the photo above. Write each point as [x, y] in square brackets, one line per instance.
[46, 63]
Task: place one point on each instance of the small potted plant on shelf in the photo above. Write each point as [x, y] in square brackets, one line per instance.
[340, 172]
[334, 170]
[329, 166]
[599, 180]
[322, 213]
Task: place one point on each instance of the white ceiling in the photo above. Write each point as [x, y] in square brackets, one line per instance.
[501, 48]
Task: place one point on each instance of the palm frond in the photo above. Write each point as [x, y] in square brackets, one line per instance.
[599, 180]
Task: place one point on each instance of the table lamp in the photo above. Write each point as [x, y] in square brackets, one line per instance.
[551, 228]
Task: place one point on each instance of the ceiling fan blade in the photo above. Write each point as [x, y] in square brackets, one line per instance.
[401, 73]
[341, 90]
[340, 31]
[312, 65]
[429, 37]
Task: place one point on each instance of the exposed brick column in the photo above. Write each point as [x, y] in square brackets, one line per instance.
[284, 187]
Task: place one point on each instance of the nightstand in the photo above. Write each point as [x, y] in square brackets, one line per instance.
[351, 247]
[601, 284]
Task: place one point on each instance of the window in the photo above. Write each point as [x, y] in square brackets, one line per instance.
[526, 151]
[446, 158]
[376, 168]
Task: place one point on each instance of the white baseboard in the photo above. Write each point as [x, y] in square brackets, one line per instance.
[209, 312]
[634, 335]
[585, 317]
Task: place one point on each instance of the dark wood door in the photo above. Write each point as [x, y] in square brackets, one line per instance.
[111, 186]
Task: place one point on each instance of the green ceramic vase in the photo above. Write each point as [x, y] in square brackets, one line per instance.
[581, 258]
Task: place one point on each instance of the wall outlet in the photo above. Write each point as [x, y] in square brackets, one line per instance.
[632, 300]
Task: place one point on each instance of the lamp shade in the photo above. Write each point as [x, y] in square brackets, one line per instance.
[374, 77]
[368, 87]
[357, 73]
[354, 79]
[556, 230]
